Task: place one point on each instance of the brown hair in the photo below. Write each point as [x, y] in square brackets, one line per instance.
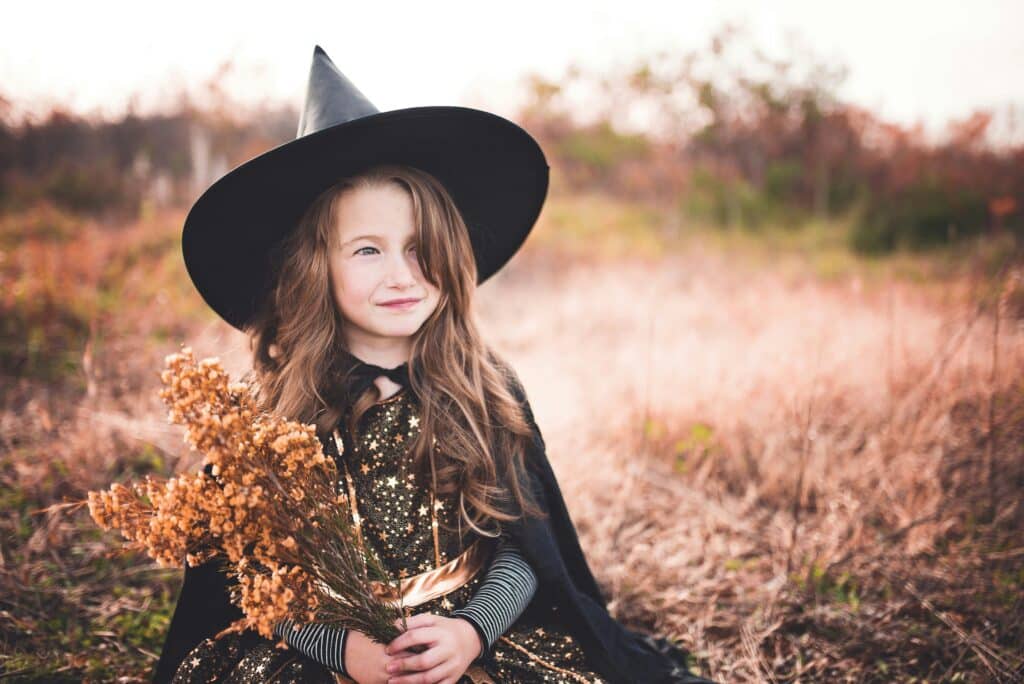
[463, 386]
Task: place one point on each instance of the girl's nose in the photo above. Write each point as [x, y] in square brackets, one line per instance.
[399, 271]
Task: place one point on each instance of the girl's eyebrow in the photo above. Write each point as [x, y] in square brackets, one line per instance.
[372, 237]
[360, 237]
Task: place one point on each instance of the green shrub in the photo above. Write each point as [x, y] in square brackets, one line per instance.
[922, 216]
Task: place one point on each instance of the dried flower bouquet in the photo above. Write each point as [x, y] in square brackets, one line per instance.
[271, 508]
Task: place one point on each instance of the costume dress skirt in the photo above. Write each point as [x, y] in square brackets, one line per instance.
[393, 502]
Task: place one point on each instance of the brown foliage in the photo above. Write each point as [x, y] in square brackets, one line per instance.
[268, 505]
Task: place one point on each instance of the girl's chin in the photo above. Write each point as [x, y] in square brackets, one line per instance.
[397, 330]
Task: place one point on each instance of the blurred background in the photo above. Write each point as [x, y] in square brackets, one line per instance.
[770, 319]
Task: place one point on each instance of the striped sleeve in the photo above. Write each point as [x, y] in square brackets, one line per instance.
[322, 642]
[502, 596]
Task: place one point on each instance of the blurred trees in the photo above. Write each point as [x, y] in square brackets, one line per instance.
[725, 134]
[735, 137]
[112, 168]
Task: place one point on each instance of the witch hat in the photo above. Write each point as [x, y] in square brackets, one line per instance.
[495, 172]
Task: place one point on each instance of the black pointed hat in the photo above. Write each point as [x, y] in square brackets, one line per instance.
[494, 170]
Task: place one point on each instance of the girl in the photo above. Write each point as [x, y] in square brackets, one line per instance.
[363, 324]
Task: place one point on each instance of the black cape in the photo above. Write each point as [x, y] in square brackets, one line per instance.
[565, 582]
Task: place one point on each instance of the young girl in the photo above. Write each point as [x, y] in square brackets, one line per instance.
[363, 324]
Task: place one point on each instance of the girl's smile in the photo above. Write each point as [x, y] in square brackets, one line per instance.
[401, 304]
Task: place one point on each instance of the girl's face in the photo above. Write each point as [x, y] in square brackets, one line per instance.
[374, 263]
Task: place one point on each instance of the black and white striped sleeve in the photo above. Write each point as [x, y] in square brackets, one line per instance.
[504, 593]
[322, 642]
[502, 596]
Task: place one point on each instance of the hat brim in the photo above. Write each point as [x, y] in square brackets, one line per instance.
[494, 170]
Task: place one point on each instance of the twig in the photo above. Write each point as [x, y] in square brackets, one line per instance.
[932, 379]
[148, 653]
[889, 366]
[59, 506]
[12, 673]
[981, 647]
[804, 449]
[940, 367]
[647, 384]
[892, 536]
[750, 645]
[991, 431]
[963, 652]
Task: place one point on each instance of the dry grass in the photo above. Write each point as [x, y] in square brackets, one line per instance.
[800, 479]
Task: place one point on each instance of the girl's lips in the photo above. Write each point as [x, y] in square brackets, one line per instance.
[403, 305]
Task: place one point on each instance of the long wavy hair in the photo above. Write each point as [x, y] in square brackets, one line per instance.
[463, 386]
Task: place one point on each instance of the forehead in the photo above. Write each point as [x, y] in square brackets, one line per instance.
[382, 210]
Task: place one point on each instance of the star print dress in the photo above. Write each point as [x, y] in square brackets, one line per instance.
[394, 505]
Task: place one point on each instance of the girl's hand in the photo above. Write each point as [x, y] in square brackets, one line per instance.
[365, 660]
[452, 645]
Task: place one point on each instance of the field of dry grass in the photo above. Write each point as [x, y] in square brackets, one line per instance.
[801, 472]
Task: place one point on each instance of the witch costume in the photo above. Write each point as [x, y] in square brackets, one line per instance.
[497, 175]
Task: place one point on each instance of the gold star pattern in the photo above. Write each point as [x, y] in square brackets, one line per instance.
[400, 528]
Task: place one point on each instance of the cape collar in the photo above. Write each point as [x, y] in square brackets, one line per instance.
[351, 376]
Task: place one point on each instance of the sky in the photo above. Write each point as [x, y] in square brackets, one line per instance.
[909, 61]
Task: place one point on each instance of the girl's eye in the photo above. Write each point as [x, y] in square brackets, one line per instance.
[412, 247]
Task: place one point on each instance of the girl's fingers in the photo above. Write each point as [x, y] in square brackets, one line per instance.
[435, 675]
[423, 634]
[417, 662]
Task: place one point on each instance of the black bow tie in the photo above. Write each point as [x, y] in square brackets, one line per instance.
[362, 375]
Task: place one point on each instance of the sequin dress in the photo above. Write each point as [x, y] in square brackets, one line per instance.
[393, 502]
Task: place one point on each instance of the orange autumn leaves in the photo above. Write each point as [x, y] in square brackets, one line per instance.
[269, 506]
